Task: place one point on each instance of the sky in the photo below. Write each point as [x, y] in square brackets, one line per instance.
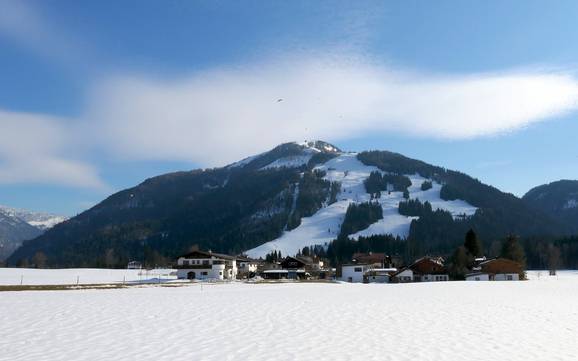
[97, 96]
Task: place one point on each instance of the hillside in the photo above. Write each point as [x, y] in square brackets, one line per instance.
[296, 195]
[557, 199]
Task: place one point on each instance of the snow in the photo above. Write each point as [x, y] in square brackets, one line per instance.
[445, 321]
[42, 221]
[29, 276]
[571, 203]
[295, 161]
[323, 227]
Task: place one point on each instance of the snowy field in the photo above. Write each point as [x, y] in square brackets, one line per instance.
[69, 276]
[533, 320]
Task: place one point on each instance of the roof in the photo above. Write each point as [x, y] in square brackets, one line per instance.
[370, 257]
[246, 259]
[475, 274]
[401, 271]
[500, 265]
[202, 254]
[429, 265]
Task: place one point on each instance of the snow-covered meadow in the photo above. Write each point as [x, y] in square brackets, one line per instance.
[532, 320]
[71, 276]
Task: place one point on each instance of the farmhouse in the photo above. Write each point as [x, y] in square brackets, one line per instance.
[354, 272]
[404, 275]
[206, 265]
[377, 260]
[379, 275]
[497, 269]
[429, 269]
[246, 267]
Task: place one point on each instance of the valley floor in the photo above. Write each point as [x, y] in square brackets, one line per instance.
[533, 320]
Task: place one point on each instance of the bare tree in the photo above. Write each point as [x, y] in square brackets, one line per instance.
[39, 259]
[553, 259]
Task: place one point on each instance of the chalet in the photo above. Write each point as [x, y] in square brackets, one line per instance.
[311, 263]
[497, 269]
[379, 275]
[246, 267]
[404, 275]
[289, 268]
[206, 265]
[293, 263]
[429, 269]
[279, 274]
[376, 260]
[354, 272]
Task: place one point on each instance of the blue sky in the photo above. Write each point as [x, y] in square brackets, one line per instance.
[97, 96]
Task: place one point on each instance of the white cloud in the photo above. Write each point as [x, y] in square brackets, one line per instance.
[222, 115]
[28, 26]
[39, 149]
[218, 116]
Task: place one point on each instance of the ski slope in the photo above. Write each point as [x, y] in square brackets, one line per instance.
[445, 321]
[322, 227]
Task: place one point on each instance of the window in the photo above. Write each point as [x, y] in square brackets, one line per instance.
[220, 273]
[186, 263]
[205, 262]
[358, 269]
[204, 273]
[510, 278]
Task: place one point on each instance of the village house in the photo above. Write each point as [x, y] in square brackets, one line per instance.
[291, 268]
[404, 275]
[246, 267]
[376, 260]
[206, 265]
[379, 275]
[497, 269]
[429, 269]
[354, 272]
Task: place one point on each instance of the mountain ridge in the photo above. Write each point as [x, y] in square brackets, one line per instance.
[263, 198]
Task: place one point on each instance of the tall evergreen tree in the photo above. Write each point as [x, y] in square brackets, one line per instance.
[473, 244]
[511, 249]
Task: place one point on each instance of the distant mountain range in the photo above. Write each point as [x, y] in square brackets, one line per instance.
[293, 196]
[18, 225]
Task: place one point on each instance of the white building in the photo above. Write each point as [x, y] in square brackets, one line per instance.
[478, 276]
[353, 272]
[247, 267]
[404, 275]
[497, 269]
[206, 265]
[379, 275]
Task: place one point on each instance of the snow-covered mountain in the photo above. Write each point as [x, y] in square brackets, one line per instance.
[324, 226]
[40, 220]
[295, 195]
[17, 225]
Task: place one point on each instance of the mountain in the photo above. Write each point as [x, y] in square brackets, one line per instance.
[293, 196]
[557, 199]
[40, 220]
[17, 225]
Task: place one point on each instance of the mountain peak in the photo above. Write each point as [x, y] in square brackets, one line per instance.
[319, 145]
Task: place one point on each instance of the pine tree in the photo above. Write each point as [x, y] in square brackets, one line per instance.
[473, 244]
[459, 263]
[511, 249]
